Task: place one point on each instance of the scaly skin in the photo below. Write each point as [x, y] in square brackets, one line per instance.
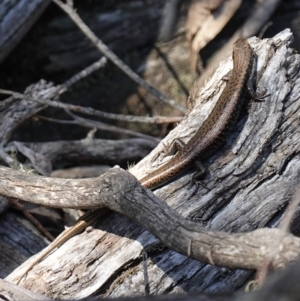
[215, 128]
[207, 139]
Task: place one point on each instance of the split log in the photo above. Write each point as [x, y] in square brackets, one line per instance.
[285, 286]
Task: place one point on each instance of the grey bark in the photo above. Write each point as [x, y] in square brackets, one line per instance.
[15, 111]
[249, 181]
[283, 286]
[98, 151]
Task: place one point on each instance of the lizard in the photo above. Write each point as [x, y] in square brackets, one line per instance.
[207, 139]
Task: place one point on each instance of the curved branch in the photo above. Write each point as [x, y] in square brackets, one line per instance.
[121, 192]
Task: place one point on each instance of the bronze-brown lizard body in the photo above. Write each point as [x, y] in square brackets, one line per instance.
[206, 140]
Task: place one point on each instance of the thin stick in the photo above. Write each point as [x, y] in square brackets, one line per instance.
[32, 219]
[91, 111]
[118, 62]
[98, 125]
[85, 72]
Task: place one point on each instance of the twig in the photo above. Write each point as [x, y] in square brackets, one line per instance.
[264, 29]
[32, 219]
[98, 125]
[85, 72]
[118, 62]
[146, 276]
[102, 126]
[13, 94]
[91, 111]
[172, 70]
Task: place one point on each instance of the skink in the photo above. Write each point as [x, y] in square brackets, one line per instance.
[206, 140]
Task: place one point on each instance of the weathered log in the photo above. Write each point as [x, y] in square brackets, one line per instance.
[87, 151]
[283, 286]
[248, 181]
[15, 111]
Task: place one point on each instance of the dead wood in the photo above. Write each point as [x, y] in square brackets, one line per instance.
[121, 29]
[18, 240]
[15, 111]
[97, 151]
[248, 181]
[80, 172]
[16, 18]
[72, 13]
[282, 286]
[122, 193]
[10, 292]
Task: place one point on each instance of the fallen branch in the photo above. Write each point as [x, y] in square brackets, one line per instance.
[90, 111]
[121, 192]
[99, 151]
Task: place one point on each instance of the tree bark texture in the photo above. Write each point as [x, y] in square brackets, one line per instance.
[284, 286]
